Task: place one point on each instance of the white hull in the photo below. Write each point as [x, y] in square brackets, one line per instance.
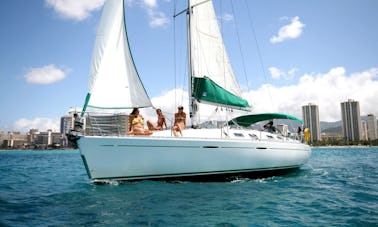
[149, 157]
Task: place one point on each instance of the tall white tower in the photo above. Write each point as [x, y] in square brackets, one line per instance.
[311, 120]
[350, 115]
[372, 130]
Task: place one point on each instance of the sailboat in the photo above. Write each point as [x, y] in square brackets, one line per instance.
[232, 149]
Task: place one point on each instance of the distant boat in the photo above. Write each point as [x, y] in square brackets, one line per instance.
[232, 149]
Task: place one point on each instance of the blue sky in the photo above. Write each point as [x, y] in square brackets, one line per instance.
[323, 52]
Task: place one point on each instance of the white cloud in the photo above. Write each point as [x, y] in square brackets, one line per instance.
[326, 90]
[40, 123]
[81, 9]
[150, 3]
[278, 74]
[157, 18]
[228, 17]
[45, 75]
[291, 73]
[290, 31]
[74, 9]
[275, 73]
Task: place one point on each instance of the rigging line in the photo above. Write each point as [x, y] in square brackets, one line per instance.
[225, 57]
[200, 3]
[174, 49]
[176, 61]
[178, 55]
[239, 44]
[259, 53]
[223, 52]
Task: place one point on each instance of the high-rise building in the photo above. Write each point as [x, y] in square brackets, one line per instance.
[351, 120]
[67, 121]
[372, 129]
[66, 124]
[364, 135]
[311, 121]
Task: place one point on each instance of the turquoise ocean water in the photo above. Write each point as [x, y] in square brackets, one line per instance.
[337, 187]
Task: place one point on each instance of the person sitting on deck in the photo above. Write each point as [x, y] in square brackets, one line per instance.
[136, 124]
[269, 127]
[180, 121]
[161, 122]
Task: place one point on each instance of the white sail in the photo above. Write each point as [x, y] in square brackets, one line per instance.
[208, 53]
[114, 81]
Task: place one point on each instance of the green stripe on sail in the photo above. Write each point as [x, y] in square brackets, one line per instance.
[207, 90]
[117, 108]
[87, 98]
[85, 104]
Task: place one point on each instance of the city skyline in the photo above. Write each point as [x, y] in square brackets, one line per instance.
[313, 107]
[352, 125]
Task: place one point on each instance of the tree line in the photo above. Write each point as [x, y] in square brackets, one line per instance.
[343, 142]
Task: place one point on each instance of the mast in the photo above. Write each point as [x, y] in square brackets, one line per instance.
[193, 104]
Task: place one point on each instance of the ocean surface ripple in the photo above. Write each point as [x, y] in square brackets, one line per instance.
[337, 187]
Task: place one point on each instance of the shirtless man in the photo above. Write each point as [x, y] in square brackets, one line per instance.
[180, 121]
[161, 122]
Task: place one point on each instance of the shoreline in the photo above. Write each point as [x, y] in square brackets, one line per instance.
[54, 149]
[343, 146]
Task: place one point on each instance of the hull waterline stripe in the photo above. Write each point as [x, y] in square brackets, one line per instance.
[193, 174]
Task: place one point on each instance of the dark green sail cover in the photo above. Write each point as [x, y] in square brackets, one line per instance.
[204, 89]
[247, 120]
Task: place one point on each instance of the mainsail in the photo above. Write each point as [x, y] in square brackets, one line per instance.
[114, 81]
[214, 81]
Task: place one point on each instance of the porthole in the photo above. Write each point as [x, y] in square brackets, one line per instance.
[238, 135]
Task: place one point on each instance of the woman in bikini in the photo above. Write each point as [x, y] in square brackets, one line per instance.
[180, 121]
[161, 122]
[136, 124]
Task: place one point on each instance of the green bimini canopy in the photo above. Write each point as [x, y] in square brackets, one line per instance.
[207, 90]
[247, 120]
